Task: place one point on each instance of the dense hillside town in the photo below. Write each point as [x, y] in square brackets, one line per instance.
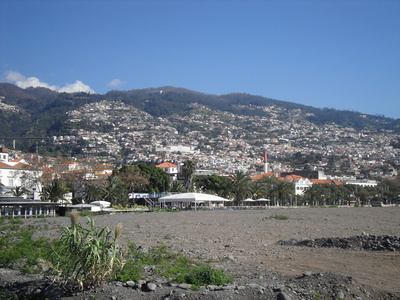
[85, 139]
[222, 142]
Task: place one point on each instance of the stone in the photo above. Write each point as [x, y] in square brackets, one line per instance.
[283, 296]
[339, 295]
[151, 286]
[184, 286]
[255, 286]
[130, 283]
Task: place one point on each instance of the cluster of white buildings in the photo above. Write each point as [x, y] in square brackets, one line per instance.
[17, 173]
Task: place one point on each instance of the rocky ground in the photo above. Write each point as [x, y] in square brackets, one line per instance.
[315, 253]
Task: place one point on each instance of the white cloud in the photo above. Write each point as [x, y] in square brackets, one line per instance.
[23, 82]
[116, 82]
[78, 86]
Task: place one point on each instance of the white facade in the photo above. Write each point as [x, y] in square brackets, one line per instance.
[301, 185]
[19, 174]
[4, 154]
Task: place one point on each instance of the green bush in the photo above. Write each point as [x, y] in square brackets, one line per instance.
[85, 257]
[165, 263]
[12, 296]
[205, 275]
[168, 265]
[18, 246]
[278, 217]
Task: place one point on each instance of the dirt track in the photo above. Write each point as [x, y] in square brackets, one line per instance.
[245, 241]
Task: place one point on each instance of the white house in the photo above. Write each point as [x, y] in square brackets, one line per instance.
[19, 174]
[4, 155]
[170, 169]
[300, 183]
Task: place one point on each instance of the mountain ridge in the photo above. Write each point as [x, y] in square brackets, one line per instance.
[42, 112]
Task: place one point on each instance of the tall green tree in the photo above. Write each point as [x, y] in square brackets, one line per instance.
[313, 192]
[188, 169]
[282, 190]
[134, 178]
[214, 184]
[241, 184]
[159, 180]
[93, 190]
[259, 189]
[54, 191]
[116, 192]
[177, 187]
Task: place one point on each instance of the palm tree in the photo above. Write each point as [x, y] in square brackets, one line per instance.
[93, 190]
[116, 191]
[282, 189]
[55, 191]
[313, 192]
[188, 169]
[241, 185]
[18, 191]
[342, 195]
[259, 189]
[177, 187]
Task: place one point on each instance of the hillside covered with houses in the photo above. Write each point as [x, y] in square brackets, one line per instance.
[223, 135]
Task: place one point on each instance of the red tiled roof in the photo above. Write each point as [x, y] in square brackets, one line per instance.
[322, 181]
[166, 165]
[257, 177]
[17, 160]
[294, 177]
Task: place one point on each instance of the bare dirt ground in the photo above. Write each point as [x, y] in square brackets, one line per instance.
[244, 243]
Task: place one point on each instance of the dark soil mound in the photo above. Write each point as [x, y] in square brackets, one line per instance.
[364, 242]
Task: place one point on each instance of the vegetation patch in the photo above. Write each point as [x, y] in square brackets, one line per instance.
[18, 249]
[277, 217]
[204, 275]
[161, 262]
[86, 256]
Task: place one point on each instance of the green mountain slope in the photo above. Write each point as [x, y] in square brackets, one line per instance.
[43, 113]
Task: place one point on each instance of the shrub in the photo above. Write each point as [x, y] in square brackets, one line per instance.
[85, 257]
[278, 217]
[165, 263]
[205, 275]
[17, 246]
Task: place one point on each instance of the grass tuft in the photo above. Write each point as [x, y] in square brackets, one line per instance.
[277, 217]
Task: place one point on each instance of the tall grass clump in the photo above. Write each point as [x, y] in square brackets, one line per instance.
[84, 257]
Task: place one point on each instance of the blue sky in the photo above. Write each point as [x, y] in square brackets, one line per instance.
[338, 54]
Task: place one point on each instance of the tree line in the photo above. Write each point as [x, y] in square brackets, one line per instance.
[147, 178]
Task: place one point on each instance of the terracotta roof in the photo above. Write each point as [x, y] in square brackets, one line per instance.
[22, 166]
[294, 177]
[257, 177]
[166, 165]
[4, 166]
[322, 181]
[17, 160]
